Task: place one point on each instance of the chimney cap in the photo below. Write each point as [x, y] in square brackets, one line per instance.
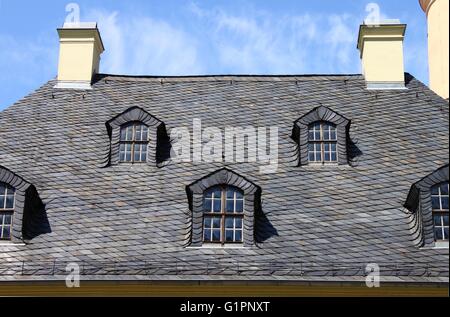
[80, 25]
[384, 29]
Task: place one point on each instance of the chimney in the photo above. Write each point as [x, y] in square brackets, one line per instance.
[438, 36]
[79, 55]
[381, 47]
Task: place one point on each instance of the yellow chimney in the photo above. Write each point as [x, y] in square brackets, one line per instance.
[438, 35]
[79, 55]
[381, 48]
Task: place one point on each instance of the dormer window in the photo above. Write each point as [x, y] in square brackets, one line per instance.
[223, 208]
[427, 203]
[136, 137]
[322, 136]
[322, 143]
[439, 205]
[22, 214]
[7, 202]
[134, 141]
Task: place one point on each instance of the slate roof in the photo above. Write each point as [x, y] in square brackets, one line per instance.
[320, 221]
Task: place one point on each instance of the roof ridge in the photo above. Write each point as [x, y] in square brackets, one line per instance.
[240, 77]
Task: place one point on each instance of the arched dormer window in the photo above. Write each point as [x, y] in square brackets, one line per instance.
[136, 137]
[439, 205]
[134, 141]
[22, 214]
[322, 142]
[7, 202]
[223, 215]
[322, 137]
[427, 203]
[223, 208]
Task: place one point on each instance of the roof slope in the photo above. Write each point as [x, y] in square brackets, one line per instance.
[140, 214]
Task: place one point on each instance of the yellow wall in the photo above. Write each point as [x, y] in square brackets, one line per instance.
[383, 61]
[438, 42]
[79, 55]
[382, 53]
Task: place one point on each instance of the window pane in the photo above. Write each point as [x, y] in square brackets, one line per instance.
[435, 190]
[7, 219]
[207, 222]
[445, 218]
[333, 135]
[446, 234]
[327, 156]
[145, 134]
[2, 202]
[318, 157]
[207, 205]
[239, 195]
[229, 235]
[129, 133]
[123, 133]
[216, 223]
[238, 236]
[444, 189]
[239, 206]
[437, 220]
[444, 201]
[137, 153]
[218, 193]
[138, 133]
[317, 134]
[144, 153]
[216, 235]
[333, 156]
[9, 202]
[207, 235]
[238, 223]
[6, 232]
[230, 193]
[438, 233]
[217, 205]
[229, 222]
[435, 203]
[230, 206]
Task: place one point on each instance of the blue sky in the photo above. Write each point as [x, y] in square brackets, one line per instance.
[196, 37]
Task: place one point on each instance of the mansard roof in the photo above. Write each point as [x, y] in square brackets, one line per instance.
[317, 218]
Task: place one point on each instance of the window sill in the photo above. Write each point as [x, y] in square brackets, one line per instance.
[441, 245]
[219, 246]
[437, 246]
[11, 244]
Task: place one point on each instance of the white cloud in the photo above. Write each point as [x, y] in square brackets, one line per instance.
[27, 62]
[261, 42]
[142, 45]
[217, 41]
